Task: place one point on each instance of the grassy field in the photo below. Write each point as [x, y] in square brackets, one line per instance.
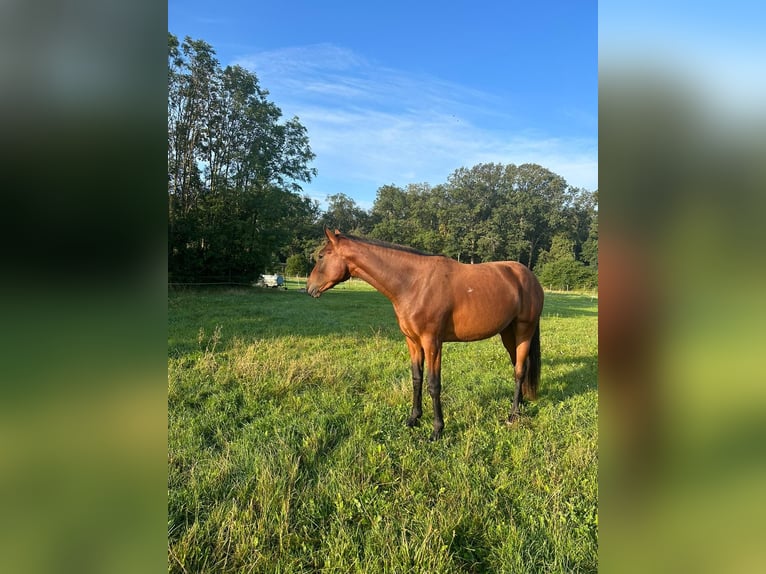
[288, 452]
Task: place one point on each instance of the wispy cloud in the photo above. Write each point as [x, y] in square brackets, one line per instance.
[370, 125]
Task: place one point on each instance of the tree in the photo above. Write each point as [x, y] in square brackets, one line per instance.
[343, 213]
[589, 252]
[539, 198]
[297, 265]
[234, 168]
[389, 214]
[471, 197]
[558, 268]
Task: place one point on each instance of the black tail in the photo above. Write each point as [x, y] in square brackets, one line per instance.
[529, 385]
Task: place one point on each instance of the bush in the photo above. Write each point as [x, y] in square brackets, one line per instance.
[569, 274]
[297, 265]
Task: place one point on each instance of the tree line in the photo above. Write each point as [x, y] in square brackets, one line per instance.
[488, 212]
[236, 208]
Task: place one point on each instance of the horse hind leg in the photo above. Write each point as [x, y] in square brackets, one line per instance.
[518, 354]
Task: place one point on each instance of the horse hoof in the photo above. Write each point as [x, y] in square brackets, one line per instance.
[512, 420]
[413, 422]
[436, 435]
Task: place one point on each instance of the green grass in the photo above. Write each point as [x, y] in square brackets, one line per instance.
[288, 452]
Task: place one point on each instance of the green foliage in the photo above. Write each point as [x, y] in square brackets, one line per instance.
[560, 270]
[233, 169]
[562, 249]
[288, 452]
[566, 275]
[590, 246]
[486, 213]
[297, 266]
[343, 213]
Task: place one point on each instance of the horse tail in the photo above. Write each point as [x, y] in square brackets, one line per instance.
[529, 385]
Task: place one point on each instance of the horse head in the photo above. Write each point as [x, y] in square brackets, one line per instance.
[330, 268]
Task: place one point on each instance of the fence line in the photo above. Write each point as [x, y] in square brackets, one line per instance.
[222, 283]
[292, 278]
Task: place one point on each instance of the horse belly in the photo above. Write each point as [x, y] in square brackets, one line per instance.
[477, 318]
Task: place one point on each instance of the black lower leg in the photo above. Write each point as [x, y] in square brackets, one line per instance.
[435, 389]
[518, 398]
[417, 395]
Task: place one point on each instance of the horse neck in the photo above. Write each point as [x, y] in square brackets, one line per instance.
[390, 271]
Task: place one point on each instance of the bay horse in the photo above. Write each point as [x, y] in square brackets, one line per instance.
[436, 300]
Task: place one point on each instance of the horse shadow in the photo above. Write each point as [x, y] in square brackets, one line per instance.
[581, 379]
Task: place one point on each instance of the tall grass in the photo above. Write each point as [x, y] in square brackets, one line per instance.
[288, 452]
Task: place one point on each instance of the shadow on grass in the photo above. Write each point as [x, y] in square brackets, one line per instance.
[579, 380]
[570, 305]
[556, 386]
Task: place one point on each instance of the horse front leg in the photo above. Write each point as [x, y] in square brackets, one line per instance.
[416, 359]
[434, 352]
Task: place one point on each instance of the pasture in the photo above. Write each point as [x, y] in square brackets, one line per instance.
[288, 450]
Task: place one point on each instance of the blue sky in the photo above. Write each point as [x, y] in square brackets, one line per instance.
[715, 50]
[407, 92]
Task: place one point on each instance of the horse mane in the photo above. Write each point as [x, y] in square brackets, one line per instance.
[387, 245]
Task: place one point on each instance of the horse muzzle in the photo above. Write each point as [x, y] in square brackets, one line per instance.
[314, 291]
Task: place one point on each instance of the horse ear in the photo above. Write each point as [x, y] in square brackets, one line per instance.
[337, 233]
[330, 236]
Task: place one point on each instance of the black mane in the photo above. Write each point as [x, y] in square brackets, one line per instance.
[388, 245]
